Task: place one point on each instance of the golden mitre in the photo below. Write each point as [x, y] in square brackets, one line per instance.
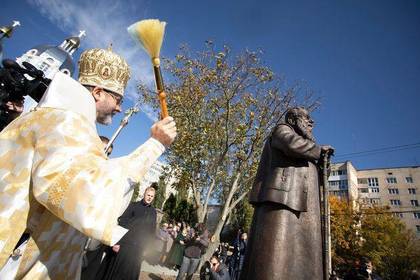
[105, 69]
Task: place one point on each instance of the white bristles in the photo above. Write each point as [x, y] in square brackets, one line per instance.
[149, 33]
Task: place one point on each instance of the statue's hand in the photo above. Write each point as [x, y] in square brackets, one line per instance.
[327, 149]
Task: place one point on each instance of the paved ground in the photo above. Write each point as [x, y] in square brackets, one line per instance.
[158, 272]
[152, 276]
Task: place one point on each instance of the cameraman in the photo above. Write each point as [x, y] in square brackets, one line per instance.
[218, 271]
[9, 110]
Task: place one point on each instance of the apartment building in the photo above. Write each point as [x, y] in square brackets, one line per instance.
[343, 181]
[396, 187]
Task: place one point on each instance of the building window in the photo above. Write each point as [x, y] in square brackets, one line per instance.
[398, 215]
[333, 183]
[44, 67]
[362, 181]
[342, 184]
[416, 215]
[393, 191]
[414, 202]
[364, 190]
[395, 202]
[391, 180]
[375, 201]
[375, 190]
[373, 182]
[418, 228]
[338, 172]
[409, 179]
[411, 191]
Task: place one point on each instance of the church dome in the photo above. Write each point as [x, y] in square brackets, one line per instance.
[75, 41]
[51, 59]
[57, 54]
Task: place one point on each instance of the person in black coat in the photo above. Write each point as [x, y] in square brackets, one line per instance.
[194, 248]
[218, 270]
[238, 256]
[123, 260]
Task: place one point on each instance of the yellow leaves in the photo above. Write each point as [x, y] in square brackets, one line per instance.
[371, 232]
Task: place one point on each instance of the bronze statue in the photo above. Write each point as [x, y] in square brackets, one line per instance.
[286, 240]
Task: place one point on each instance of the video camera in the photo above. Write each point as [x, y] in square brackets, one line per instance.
[16, 82]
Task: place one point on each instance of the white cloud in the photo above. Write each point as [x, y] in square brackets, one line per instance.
[105, 22]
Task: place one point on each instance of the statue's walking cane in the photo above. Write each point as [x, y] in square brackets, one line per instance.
[326, 234]
[150, 33]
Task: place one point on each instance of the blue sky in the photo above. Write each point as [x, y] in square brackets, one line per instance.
[361, 57]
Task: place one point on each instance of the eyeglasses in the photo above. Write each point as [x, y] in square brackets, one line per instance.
[118, 99]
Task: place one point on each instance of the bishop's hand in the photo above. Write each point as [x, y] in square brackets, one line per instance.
[164, 131]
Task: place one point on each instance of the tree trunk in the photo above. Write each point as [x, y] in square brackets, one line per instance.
[201, 214]
[216, 235]
[227, 209]
[206, 202]
[163, 204]
[215, 241]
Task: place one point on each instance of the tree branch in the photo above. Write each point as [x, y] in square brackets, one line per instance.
[210, 190]
[233, 205]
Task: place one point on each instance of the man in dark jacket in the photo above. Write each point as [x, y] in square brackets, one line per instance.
[218, 270]
[194, 248]
[238, 256]
[123, 260]
[285, 239]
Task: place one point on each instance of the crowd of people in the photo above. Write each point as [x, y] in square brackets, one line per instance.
[227, 260]
[183, 246]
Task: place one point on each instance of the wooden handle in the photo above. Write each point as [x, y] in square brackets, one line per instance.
[163, 107]
[161, 91]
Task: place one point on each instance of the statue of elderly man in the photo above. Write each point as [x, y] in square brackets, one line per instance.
[285, 240]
